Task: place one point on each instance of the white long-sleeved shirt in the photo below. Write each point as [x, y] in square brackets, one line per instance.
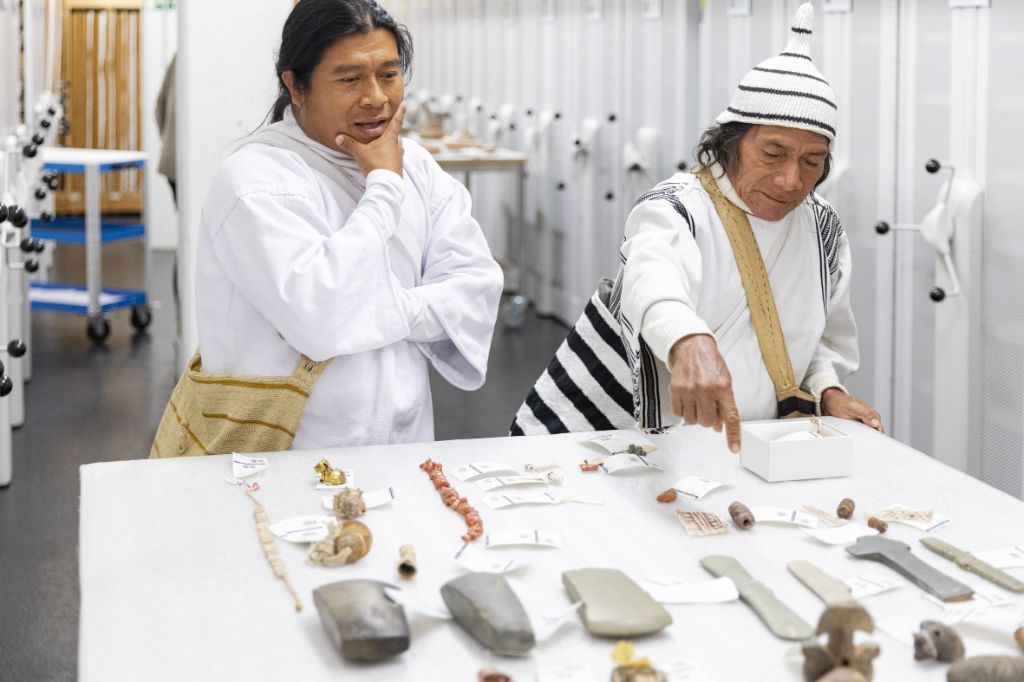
[290, 264]
[680, 278]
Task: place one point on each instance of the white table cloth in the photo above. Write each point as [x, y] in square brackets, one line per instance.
[175, 586]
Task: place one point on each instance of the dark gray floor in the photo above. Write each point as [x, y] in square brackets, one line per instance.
[91, 404]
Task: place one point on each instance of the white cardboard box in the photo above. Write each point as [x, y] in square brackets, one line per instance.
[771, 455]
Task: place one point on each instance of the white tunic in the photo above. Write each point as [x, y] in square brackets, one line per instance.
[680, 278]
[289, 263]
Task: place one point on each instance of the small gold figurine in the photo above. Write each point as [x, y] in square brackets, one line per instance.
[328, 475]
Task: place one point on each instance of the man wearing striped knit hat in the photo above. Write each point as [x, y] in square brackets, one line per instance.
[733, 299]
[693, 291]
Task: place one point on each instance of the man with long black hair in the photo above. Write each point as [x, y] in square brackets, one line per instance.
[326, 235]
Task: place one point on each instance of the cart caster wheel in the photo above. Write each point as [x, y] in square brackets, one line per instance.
[141, 317]
[97, 330]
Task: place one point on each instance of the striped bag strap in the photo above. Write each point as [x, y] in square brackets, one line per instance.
[792, 401]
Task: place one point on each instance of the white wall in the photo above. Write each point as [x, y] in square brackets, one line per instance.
[226, 84]
[159, 43]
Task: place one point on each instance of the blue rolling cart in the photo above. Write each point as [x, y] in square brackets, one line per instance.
[91, 299]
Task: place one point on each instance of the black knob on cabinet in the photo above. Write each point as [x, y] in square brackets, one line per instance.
[560, 186]
[933, 166]
[635, 168]
[16, 348]
[612, 118]
[494, 117]
[40, 193]
[51, 182]
[6, 386]
[511, 126]
[46, 217]
[3, 213]
[52, 111]
[529, 112]
[479, 107]
[882, 227]
[45, 123]
[937, 294]
[609, 196]
[38, 139]
[578, 142]
[681, 166]
[31, 265]
[16, 214]
[30, 150]
[38, 245]
[28, 245]
[558, 115]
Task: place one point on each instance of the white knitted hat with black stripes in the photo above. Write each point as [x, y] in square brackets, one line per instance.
[787, 89]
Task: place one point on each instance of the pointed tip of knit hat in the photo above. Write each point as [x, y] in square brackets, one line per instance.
[800, 31]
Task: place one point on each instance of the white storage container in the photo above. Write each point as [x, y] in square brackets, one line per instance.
[796, 449]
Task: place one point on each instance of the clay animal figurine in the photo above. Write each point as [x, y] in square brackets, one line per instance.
[839, 622]
[328, 475]
[939, 642]
[987, 669]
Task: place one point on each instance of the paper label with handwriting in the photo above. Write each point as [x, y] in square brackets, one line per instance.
[548, 624]
[376, 498]
[695, 487]
[683, 671]
[479, 563]
[984, 598]
[620, 442]
[626, 462]
[922, 519]
[1004, 557]
[468, 471]
[495, 482]
[576, 673]
[243, 466]
[530, 537]
[699, 524]
[672, 591]
[412, 602]
[511, 499]
[350, 482]
[784, 515]
[841, 535]
[309, 528]
[869, 585]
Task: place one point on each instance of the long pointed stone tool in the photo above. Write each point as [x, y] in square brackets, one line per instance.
[830, 590]
[898, 557]
[969, 562]
[779, 618]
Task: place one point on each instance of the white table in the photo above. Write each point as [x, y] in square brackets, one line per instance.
[175, 586]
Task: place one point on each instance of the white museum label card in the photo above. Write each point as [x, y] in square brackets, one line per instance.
[922, 519]
[626, 462]
[377, 498]
[869, 584]
[528, 537]
[549, 623]
[309, 528]
[672, 591]
[468, 471]
[841, 535]
[695, 487]
[784, 515]
[1004, 557]
[495, 482]
[615, 443]
[350, 482]
[478, 563]
[243, 466]
[502, 500]
[984, 599]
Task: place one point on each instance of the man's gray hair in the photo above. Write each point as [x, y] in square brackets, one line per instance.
[721, 143]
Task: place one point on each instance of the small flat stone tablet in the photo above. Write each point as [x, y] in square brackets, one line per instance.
[614, 605]
[361, 620]
[487, 608]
